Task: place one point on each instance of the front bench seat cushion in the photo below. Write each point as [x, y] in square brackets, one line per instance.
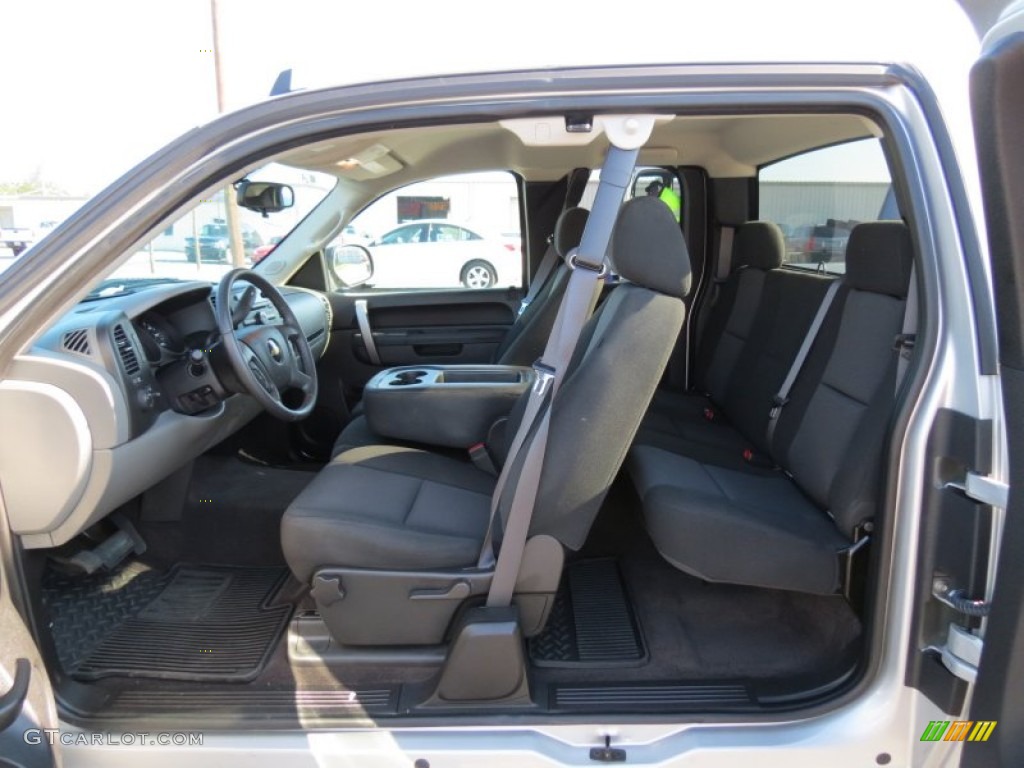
[741, 527]
[388, 507]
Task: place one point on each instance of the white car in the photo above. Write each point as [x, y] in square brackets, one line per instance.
[434, 253]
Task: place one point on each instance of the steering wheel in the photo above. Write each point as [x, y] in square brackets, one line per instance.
[268, 360]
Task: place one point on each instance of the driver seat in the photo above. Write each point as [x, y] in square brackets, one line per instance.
[389, 537]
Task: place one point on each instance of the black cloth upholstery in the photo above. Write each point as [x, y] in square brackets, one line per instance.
[758, 244]
[404, 508]
[725, 520]
[388, 507]
[645, 226]
[780, 321]
[758, 248]
[741, 527]
[525, 340]
[569, 230]
[879, 256]
[599, 407]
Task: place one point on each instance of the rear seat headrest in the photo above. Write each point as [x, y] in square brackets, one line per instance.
[569, 230]
[649, 248]
[758, 244]
[878, 258]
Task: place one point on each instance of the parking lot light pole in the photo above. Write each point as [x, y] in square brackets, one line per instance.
[230, 208]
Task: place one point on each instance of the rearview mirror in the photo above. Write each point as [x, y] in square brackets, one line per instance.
[649, 182]
[352, 265]
[264, 196]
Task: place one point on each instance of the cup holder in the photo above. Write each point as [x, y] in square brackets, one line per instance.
[405, 378]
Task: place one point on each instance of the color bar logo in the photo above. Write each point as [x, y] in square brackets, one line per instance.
[958, 730]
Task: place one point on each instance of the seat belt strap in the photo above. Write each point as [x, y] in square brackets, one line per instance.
[540, 279]
[782, 396]
[581, 294]
[724, 265]
[908, 335]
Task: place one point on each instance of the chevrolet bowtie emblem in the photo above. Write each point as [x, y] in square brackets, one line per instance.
[275, 350]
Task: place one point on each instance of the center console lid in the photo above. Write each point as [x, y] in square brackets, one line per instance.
[447, 405]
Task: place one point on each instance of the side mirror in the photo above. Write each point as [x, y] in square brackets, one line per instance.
[264, 196]
[352, 265]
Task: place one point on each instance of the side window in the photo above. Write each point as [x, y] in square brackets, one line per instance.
[449, 233]
[415, 233]
[446, 233]
[817, 197]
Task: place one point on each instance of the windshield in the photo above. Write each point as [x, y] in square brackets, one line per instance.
[198, 245]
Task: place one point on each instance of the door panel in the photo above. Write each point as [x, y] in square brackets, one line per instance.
[414, 329]
[409, 328]
[998, 113]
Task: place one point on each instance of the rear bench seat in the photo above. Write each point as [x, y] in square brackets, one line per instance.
[718, 516]
[740, 393]
[758, 248]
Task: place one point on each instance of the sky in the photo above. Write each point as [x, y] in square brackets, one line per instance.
[92, 88]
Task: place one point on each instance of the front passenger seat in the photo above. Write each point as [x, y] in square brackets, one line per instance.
[375, 525]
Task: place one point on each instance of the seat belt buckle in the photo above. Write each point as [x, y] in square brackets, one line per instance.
[903, 344]
[778, 403]
[710, 415]
[545, 374]
[756, 459]
[481, 458]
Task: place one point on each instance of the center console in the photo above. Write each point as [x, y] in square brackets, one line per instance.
[446, 405]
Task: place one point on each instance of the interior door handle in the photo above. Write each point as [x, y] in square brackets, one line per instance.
[12, 701]
[363, 319]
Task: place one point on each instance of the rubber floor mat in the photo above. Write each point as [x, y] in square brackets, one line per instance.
[85, 610]
[208, 623]
[592, 623]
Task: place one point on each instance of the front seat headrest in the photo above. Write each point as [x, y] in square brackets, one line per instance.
[649, 248]
[569, 230]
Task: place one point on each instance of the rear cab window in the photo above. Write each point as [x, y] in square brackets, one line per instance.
[817, 197]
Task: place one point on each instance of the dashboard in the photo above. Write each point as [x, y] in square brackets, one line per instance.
[119, 394]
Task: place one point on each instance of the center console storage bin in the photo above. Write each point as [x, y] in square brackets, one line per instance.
[445, 405]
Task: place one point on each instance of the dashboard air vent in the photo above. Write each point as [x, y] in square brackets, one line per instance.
[129, 359]
[76, 341]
